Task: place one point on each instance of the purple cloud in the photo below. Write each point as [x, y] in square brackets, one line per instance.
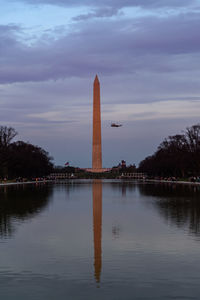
[112, 47]
[99, 13]
[116, 3]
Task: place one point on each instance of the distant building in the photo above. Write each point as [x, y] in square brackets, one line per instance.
[123, 164]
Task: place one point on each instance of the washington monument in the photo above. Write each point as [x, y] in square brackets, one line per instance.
[96, 142]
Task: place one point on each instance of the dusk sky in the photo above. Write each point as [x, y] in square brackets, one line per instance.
[145, 52]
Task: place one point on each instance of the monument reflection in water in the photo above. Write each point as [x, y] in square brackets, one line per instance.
[97, 226]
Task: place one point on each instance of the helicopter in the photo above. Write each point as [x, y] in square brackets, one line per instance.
[115, 125]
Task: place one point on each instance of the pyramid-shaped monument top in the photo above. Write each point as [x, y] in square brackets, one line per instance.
[96, 80]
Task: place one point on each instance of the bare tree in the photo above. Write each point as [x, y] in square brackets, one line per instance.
[6, 136]
[193, 137]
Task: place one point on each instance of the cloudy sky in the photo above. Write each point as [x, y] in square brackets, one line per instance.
[145, 52]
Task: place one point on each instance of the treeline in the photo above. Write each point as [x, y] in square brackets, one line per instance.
[177, 155]
[20, 159]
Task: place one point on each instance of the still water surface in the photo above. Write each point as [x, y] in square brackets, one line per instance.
[100, 240]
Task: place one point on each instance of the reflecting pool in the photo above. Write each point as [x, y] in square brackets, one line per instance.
[86, 239]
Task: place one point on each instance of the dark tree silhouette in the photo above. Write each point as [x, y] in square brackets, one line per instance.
[27, 160]
[20, 159]
[7, 134]
[177, 155]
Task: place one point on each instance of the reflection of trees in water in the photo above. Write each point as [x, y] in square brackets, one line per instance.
[72, 186]
[176, 203]
[123, 186]
[69, 187]
[19, 203]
